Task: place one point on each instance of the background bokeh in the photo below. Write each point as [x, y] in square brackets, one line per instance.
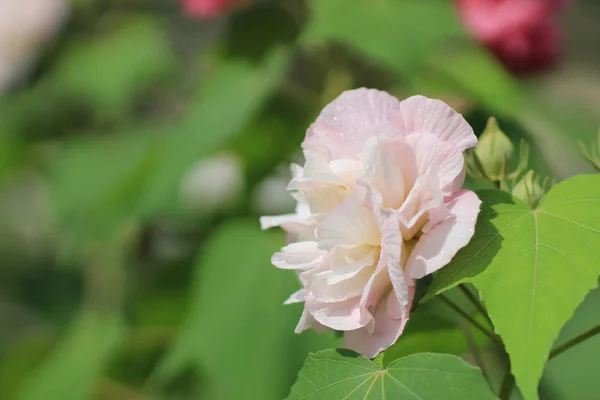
[140, 140]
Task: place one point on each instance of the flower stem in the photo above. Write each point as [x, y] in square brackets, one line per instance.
[508, 382]
[475, 301]
[469, 318]
[575, 341]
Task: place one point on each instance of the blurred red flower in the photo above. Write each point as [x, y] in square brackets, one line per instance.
[524, 34]
[207, 8]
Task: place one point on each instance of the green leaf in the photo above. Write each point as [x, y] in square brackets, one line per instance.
[399, 34]
[73, 369]
[342, 374]
[237, 328]
[109, 70]
[532, 268]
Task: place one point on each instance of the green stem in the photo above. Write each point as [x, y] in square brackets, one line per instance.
[475, 301]
[475, 351]
[469, 318]
[575, 341]
[508, 382]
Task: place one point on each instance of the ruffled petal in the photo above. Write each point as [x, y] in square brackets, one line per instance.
[345, 125]
[387, 329]
[299, 226]
[299, 256]
[437, 247]
[351, 223]
[423, 115]
[345, 263]
[424, 207]
[428, 150]
[306, 320]
[392, 169]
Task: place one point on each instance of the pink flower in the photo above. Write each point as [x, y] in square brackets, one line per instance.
[380, 205]
[207, 8]
[523, 34]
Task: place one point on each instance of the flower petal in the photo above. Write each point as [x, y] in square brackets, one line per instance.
[299, 226]
[437, 247]
[423, 115]
[351, 223]
[345, 125]
[299, 255]
[424, 207]
[345, 263]
[387, 330]
[341, 316]
[392, 169]
[429, 150]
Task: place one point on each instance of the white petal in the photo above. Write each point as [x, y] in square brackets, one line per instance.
[296, 297]
[345, 263]
[351, 223]
[298, 255]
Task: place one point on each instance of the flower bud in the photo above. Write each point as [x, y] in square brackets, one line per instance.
[495, 152]
[529, 189]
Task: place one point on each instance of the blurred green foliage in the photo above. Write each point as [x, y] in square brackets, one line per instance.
[112, 289]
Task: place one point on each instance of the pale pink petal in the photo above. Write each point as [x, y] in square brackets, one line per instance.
[341, 316]
[429, 150]
[321, 186]
[392, 169]
[296, 297]
[299, 255]
[307, 321]
[324, 292]
[299, 226]
[387, 330]
[423, 115]
[351, 223]
[424, 205]
[436, 248]
[345, 125]
[345, 263]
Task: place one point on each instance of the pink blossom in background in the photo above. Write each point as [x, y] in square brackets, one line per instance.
[524, 34]
[207, 8]
[380, 205]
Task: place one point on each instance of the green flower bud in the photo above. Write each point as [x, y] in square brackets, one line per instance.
[529, 189]
[495, 152]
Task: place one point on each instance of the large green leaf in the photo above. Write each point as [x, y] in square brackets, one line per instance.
[73, 369]
[398, 33]
[532, 268]
[237, 328]
[342, 374]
